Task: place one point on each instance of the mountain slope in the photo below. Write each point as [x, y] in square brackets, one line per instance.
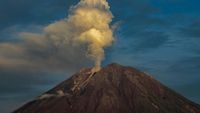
[114, 89]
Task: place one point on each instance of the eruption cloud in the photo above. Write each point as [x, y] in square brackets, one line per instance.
[93, 17]
[88, 23]
[86, 30]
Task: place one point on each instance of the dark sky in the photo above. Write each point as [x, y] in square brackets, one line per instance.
[160, 37]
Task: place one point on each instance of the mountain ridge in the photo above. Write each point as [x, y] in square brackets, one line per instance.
[113, 89]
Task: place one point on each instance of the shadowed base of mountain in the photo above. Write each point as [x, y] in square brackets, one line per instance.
[114, 89]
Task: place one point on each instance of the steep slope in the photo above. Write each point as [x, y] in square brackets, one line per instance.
[114, 89]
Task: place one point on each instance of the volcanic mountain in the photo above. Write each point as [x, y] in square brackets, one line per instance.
[113, 89]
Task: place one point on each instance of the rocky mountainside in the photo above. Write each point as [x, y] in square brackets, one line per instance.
[114, 89]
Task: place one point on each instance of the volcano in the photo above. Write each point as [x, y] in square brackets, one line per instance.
[113, 89]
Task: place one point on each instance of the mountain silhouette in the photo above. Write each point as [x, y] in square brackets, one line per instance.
[113, 89]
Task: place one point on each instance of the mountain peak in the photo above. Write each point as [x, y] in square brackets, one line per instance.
[114, 65]
[113, 89]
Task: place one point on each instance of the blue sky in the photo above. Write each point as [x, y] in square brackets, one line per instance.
[159, 37]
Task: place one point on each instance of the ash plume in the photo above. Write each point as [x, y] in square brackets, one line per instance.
[86, 30]
[90, 19]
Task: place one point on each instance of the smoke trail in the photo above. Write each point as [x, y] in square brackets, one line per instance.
[88, 23]
[93, 18]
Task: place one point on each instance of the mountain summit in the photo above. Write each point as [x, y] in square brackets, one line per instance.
[113, 89]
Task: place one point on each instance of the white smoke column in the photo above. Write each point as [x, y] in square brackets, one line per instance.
[88, 23]
[94, 17]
